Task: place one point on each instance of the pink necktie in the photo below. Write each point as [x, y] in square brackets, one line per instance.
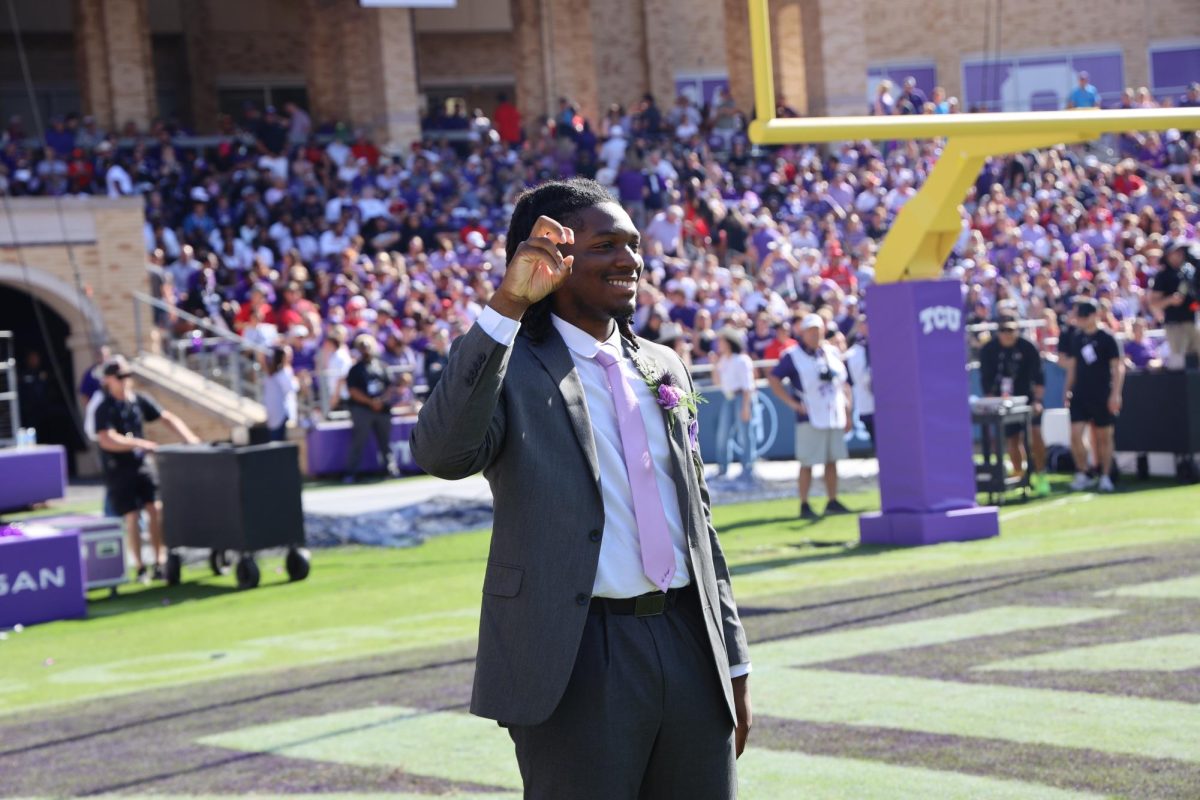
[658, 556]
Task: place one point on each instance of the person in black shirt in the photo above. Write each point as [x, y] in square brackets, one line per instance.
[370, 409]
[1010, 367]
[129, 477]
[1095, 378]
[1173, 294]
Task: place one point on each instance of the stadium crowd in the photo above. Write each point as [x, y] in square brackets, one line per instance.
[309, 237]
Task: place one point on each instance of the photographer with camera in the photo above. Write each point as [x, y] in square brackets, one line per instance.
[1173, 294]
[1011, 366]
[820, 396]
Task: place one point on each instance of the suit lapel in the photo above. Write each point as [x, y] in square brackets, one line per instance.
[678, 445]
[556, 359]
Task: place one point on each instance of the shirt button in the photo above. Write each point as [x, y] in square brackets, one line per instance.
[582, 599]
[594, 535]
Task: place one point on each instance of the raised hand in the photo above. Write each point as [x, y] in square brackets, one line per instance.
[536, 270]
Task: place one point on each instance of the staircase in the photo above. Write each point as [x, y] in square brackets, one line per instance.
[211, 382]
[213, 411]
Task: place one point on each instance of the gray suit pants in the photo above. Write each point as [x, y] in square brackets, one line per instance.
[643, 716]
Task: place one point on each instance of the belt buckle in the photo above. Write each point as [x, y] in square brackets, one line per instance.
[649, 605]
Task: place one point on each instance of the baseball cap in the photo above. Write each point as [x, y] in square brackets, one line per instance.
[812, 321]
[1008, 323]
[1085, 307]
[117, 366]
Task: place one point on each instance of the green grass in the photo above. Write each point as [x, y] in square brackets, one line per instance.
[363, 601]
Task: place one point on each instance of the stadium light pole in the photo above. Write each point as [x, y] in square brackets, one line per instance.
[923, 426]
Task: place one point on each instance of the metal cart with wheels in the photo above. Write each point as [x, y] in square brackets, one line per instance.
[233, 501]
[993, 416]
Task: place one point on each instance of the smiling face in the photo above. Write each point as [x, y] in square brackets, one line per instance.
[604, 277]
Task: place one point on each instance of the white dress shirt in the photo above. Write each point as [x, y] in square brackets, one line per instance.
[736, 374]
[619, 571]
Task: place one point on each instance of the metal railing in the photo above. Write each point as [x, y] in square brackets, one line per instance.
[10, 408]
[210, 350]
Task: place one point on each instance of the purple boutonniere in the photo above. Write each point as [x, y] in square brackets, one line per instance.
[671, 397]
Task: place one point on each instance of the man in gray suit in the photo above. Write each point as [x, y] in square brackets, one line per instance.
[609, 642]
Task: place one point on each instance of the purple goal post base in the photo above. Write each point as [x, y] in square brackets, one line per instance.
[922, 418]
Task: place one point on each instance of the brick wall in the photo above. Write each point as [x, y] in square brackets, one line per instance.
[111, 265]
[450, 56]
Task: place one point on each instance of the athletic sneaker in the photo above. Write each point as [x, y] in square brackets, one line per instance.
[806, 512]
[143, 575]
[1081, 482]
[834, 507]
[1105, 485]
[1041, 485]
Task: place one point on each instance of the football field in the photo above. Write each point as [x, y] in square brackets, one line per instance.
[1061, 660]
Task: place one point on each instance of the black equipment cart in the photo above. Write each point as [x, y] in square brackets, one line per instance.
[232, 499]
[993, 416]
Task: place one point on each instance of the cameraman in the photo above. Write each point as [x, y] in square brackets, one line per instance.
[1010, 366]
[820, 396]
[1173, 295]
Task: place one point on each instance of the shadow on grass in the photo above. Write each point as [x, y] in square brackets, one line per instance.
[175, 715]
[133, 597]
[831, 550]
[972, 587]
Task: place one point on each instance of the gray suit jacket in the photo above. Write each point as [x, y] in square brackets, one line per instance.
[519, 415]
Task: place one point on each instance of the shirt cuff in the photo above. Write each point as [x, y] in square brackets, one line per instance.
[738, 670]
[501, 328]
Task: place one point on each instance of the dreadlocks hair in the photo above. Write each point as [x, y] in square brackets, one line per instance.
[562, 201]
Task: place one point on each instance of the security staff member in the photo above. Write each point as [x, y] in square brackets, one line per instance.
[370, 407]
[1173, 294]
[129, 476]
[1095, 379]
[1011, 366]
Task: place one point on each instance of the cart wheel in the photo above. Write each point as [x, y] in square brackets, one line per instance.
[174, 569]
[298, 563]
[247, 573]
[219, 561]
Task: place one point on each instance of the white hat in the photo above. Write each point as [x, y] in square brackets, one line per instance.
[199, 195]
[616, 131]
[812, 321]
[475, 239]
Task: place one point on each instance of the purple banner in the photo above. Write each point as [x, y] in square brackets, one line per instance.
[41, 577]
[328, 448]
[700, 90]
[31, 475]
[1038, 82]
[1173, 68]
[923, 430]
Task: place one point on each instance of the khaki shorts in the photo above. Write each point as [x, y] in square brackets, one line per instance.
[1182, 338]
[819, 445]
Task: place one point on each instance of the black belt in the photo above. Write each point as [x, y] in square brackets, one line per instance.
[650, 604]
